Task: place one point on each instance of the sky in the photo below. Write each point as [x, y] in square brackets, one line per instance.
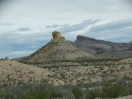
[27, 25]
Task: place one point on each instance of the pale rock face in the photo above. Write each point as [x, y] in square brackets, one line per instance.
[57, 37]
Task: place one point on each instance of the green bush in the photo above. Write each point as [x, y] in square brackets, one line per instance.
[78, 93]
[54, 94]
[91, 94]
[113, 91]
[36, 95]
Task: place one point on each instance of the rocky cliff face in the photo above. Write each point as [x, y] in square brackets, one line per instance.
[102, 48]
[57, 50]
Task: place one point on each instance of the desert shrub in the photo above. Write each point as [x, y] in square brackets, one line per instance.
[113, 90]
[130, 90]
[78, 93]
[92, 94]
[125, 77]
[35, 95]
[55, 94]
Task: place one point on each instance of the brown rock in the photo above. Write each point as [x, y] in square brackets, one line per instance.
[57, 37]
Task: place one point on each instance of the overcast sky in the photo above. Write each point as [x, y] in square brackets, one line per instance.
[27, 25]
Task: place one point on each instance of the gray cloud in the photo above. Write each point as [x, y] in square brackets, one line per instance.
[19, 44]
[123, 35]
[4, 3]
[15, 54]
[111, 25]
[75, 27]
[23, 29]
[112, 31]
[113, 36]
[79, 26]
[128, 2]
[14, 37]
[52, 26]
[56, 26]
[6, 23]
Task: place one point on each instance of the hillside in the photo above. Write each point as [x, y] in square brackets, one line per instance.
[90, 76]
[103, 48]
[15, 73]
[57, 50]
[92, 71]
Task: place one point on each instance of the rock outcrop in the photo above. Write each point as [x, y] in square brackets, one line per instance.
[57, 50]
[57, 37]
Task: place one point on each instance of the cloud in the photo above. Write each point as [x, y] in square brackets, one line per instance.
[115, 31]
[23, 29]
[28, 37]
[78, 26]
[52, 26]
[56, 26]
[111, 25]
[128, 2]
[37, 31]
[17, 45]
[16, 54]
[3, 2]
[6, 24]
[113, 36]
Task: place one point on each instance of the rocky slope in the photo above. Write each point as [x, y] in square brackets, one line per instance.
[57, 50]
[103, 48]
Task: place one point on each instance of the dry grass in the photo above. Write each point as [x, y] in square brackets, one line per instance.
[12, 72]
[119, 71]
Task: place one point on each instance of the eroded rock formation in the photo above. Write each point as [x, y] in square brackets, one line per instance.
[57, 37]
[56, 51]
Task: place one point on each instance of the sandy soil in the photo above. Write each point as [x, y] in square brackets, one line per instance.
[12, 72]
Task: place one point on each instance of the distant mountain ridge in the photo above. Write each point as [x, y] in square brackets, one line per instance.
[130, 42]
[103, 48]
[99, 48]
